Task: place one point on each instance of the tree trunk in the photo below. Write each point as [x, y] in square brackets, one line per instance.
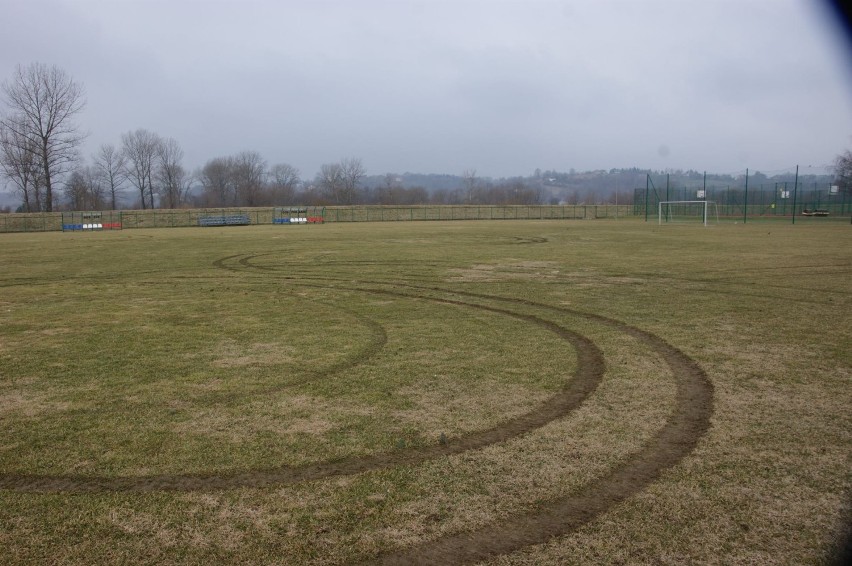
[48, 190]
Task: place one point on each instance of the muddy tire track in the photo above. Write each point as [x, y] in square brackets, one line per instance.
[676, 440]
[529, 240]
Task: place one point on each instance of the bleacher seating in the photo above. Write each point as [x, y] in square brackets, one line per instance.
[225, 220]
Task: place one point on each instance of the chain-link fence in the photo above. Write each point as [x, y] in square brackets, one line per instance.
[743, 203]
[474, 212]
[161, 218]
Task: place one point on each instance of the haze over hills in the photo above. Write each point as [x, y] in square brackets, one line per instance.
[601, 185]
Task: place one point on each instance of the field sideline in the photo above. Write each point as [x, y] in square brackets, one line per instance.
[506, 393]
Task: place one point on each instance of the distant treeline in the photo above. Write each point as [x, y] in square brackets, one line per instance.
[246, 180]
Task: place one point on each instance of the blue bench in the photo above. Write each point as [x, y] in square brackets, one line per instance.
[225, 220]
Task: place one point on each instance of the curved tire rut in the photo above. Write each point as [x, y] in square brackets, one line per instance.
[676, 440]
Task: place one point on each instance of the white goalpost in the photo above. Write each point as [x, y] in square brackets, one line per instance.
[700, 211]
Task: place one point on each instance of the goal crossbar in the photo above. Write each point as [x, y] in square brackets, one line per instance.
[704, 209]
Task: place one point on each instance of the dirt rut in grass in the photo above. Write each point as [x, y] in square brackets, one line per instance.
[670, 445]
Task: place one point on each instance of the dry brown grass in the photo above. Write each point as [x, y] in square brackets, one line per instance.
[187, 366]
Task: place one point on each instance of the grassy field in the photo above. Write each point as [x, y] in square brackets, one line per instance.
[506, 392]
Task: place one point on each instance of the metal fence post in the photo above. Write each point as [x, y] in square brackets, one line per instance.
[795, 191]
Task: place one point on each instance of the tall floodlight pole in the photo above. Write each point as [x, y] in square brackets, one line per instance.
[745, 203]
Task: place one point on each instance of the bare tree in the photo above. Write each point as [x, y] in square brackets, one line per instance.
[284, 179]
[248, 170]
[75, 191]
[84, 190]
[111, 166]
[141, 150]
[43, 102]
[330, 181]
[171, 176]
[516, 191]
[470, 181]
[19, 164]
[217, 182]
[353, 171]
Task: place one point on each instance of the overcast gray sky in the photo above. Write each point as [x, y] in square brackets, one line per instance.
[503, 87]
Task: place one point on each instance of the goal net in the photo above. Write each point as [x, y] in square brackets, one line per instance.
[702, 212]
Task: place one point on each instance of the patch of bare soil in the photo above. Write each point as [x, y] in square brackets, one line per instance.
[521, 270]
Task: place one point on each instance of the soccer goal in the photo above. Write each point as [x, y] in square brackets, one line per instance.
[688, 211]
